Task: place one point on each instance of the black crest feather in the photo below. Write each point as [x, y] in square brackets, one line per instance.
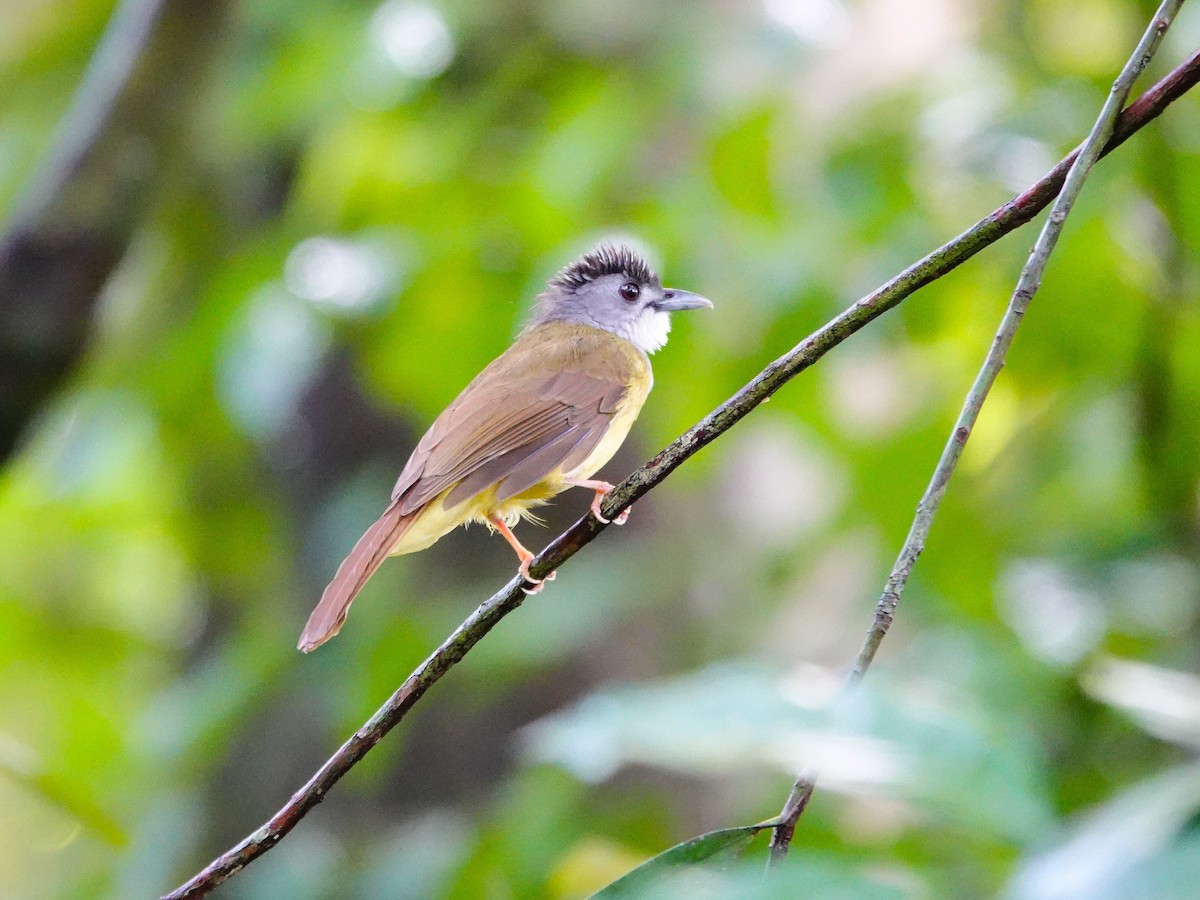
[606, 259]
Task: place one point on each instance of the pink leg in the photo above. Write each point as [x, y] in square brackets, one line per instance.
[524, 555]
[602, 489]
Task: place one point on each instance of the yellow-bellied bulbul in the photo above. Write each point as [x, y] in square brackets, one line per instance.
[544, 416]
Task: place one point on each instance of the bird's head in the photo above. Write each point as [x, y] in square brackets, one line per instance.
[612, 288]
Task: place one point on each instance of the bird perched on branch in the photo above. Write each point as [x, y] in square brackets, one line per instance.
[543, 417]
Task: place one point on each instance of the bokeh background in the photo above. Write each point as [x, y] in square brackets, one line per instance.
[269, 241]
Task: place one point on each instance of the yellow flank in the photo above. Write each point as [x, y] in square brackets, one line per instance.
[434, 521]
[627, 413]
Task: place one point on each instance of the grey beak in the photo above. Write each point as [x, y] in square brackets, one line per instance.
[673, 301]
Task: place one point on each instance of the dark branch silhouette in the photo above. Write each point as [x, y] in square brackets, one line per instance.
[1012, 215]
[80, 210]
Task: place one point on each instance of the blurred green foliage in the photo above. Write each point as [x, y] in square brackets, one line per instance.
[365, 200]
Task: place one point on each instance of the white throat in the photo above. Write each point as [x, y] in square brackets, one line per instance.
[648, 332]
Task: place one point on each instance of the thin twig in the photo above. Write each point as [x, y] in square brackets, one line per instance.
[1009, 217]
[107, 78]
[1027, 285]
[797, 802]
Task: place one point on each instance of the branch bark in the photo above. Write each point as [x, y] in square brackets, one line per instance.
[1027, 286]
[1012, 215]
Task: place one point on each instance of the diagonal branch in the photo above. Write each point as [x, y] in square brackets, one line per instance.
[1012, 215]
[1027, 285]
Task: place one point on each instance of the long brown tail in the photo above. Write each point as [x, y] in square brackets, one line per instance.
[368, 554]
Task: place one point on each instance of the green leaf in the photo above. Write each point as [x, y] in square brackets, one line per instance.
[725, 844]
[71, 798]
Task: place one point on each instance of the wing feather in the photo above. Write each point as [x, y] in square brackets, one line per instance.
[540, 462]
[539, 405]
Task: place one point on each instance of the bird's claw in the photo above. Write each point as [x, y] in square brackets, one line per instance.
[536, 584]
[600, 517]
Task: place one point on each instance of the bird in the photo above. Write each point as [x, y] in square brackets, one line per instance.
[543, 417]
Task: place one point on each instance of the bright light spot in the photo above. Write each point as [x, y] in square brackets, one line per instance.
[816, 21]
[883, 43]
[1055, 617]
[18, 758]
[338, 275]
[811, 687]
[269, 359]
[847, 763]
[908, 34]
[414, 37]
[1165, 702]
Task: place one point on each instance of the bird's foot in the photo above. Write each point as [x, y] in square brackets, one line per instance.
[619, 520]
[536, 584]
[524, 555]
[602, 489]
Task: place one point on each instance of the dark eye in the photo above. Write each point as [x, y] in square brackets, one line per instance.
[629, 291]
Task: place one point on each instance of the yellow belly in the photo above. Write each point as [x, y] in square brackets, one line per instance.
[434, 521]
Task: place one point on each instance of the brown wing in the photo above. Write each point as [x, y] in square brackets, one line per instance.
[544, 404]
